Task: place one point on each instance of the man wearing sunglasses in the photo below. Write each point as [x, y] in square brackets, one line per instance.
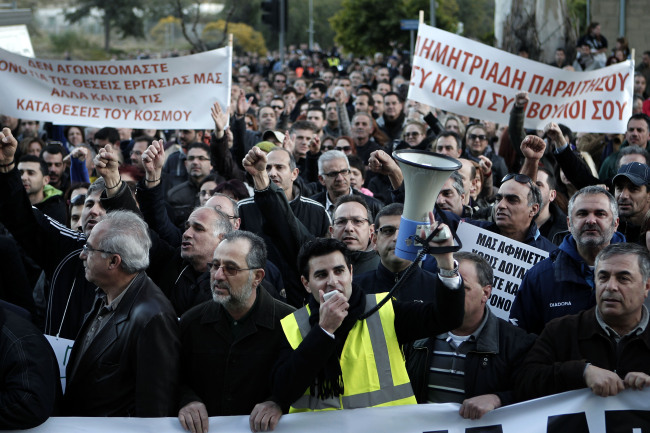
[517, 204]
[237, 331]
[476, 144]
[391, 268]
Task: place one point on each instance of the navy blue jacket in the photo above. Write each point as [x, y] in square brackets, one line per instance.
[418, 287]
[555, 287]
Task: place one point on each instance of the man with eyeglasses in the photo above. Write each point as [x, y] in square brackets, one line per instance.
[140, 144]
[278, 212]
[237, 331]
[185, 196]
[52, 246]
[391, 268]
[477, 144]
[125, 361]
[279, 82]
[334, 175]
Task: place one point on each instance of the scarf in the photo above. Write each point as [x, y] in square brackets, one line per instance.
[329, 381]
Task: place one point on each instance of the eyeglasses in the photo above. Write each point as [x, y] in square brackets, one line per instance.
[474, 137]
[344, 148]
[200, 158]
[334, 174]
[277, 107]
[411, 134]
[249, 124]
[387, 231]
[521, 178]
[205, 192]
[87, 249]
[326, 148]
[280, 81]
[357, 222]
[228, 270]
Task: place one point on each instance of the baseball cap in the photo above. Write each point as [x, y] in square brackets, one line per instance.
[637, 173]
[269, 133]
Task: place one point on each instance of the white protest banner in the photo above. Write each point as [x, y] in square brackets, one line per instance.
[575, 411]
[171, 93]
[466, 77]
[509, 260]
[62, 348]
[16, 39]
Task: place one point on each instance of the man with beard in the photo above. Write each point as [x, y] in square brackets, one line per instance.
[633, 198]
[237, 332]
[564, 282]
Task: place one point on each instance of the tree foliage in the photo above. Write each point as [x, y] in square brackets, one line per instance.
[160, 31]
[364, 27]
[245, 38]
[124, 15]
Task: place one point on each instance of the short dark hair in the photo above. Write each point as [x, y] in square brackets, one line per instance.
[452, 134]
[34, 158]
[392, 209]
[357, 163]
[303, 124]
[551, 181]
[316, 108]
[484, 272]
[353, 198]
[319, 247]
[288, 90]
[256, 257]
[199, 145]
[371, 100]
[621, 248]
[108, 133]
[640, 116]
[320, 86]
[52, 149]
[401, 100]
[146, 138]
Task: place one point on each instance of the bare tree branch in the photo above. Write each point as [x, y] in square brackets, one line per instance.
[223, 40]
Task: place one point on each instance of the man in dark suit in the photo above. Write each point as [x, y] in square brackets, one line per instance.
[125, 360]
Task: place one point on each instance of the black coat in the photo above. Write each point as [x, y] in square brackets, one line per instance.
[29, 374]
[131, 366]
[228, 374]
[490, 369]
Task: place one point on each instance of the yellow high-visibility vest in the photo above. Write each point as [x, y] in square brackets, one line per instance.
[372, 363]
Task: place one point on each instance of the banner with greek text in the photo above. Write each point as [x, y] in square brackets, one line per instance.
[575, 411]
[466, 77]
[509, 260]
[62, 348]
[171, 93]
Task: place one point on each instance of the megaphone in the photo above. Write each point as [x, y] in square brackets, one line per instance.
[425, 173]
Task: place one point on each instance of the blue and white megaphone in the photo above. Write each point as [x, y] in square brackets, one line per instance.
[425, 173]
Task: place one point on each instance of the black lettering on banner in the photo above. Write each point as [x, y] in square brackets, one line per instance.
[570, 422]
[627, 421]
[485, 429]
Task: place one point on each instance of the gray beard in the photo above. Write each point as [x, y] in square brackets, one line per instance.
[235, 299]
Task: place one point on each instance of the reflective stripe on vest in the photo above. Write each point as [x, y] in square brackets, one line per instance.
[374, 330]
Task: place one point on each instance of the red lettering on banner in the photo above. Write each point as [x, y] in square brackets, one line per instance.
[476, 64]
[460, 90]
[568, 90]
[468, 56]
[162, 115]
[68, 94]
[40, 65]
[480, 104]
[97, 84]
[426, 46]
[532, 83]
[451, 88]
[492, 106]
[623, 78]
[12, 67]
[548, 87]
[437, 87]
[506, 103]
[101, 97]
[611, 79]
[533, 110]
[492, 75]
[518, 79]
[599, 87]
[574, 110]
[561, 85]
[504, 79]
[472, 95]
[37, 75]
[65, 109]
[424, 76]
[545, 111]
[60, 81]
[454, 57]
[440, 55]
[621, 108]
[127, 99]
[596, 116]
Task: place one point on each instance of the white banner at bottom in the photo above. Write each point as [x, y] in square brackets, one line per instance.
[575, 411]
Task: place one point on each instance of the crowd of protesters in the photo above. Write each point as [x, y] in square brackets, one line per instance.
[112, 235]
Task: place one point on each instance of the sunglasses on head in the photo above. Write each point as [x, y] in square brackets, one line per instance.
[521, 178]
